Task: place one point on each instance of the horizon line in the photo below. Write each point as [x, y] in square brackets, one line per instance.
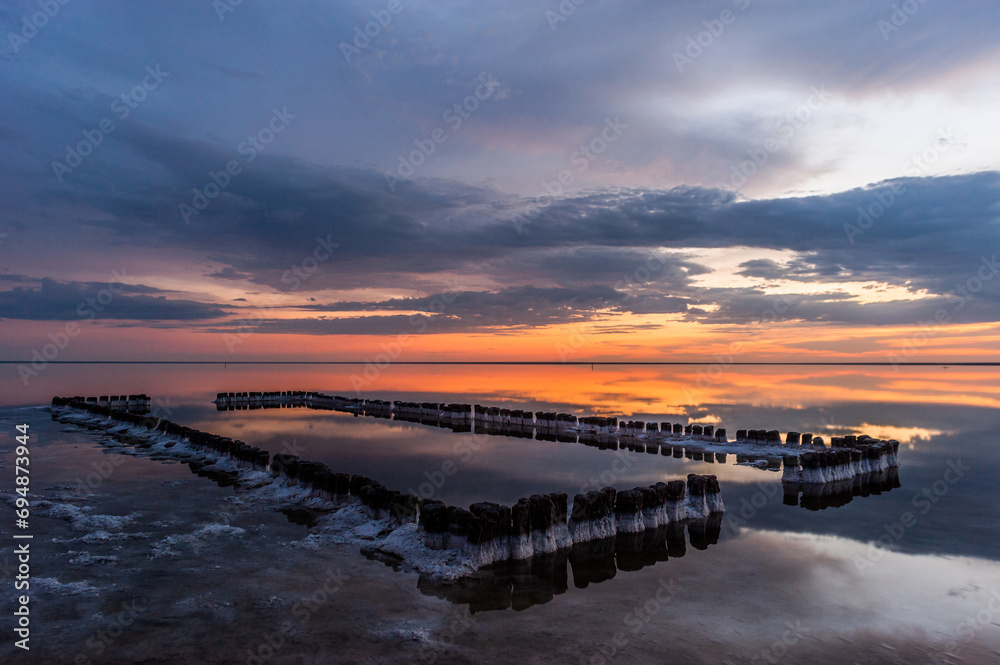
[513, 362]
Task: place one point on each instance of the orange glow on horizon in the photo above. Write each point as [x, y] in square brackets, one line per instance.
[618, 390]
[600, 341]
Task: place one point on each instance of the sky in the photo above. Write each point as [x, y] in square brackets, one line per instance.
[562, 181]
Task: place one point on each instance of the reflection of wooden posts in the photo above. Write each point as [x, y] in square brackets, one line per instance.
[849, 456]
[484, 533]
[139, 403]
[566, 421]
[840, 462]
[650, 437]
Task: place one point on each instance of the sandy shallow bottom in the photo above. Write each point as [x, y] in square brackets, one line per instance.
[156, 565]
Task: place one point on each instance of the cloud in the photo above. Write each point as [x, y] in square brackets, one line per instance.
[763, 268]
[520, 307]
[281, 214]
[229, 273]
[627, 251]
[59, 301]
[313, 214]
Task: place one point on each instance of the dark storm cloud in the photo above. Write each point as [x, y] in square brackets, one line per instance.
[228, 273]
[280, 216]
[357, 325]
[58, 301]
[618, 266]
[296, 218]
[521, 298]
[741, 306]
[798, 270]
[508, 309]
[417, 324]
[279, 213]
[514, 307]
[656, 304]
[764, 269]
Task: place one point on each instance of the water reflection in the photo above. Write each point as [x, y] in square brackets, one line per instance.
[601, 433]
[624, 389]
[840, 571]
[941, 415]
[840, 492]
[519, 585]
[937, 419]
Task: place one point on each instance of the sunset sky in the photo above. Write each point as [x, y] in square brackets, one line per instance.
[414, 180]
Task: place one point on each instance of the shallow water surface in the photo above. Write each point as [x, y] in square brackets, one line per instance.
[903, 569]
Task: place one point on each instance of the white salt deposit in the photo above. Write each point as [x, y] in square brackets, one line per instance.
[52, 585]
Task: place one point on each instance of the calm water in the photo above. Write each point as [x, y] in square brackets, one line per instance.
[902, 571]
